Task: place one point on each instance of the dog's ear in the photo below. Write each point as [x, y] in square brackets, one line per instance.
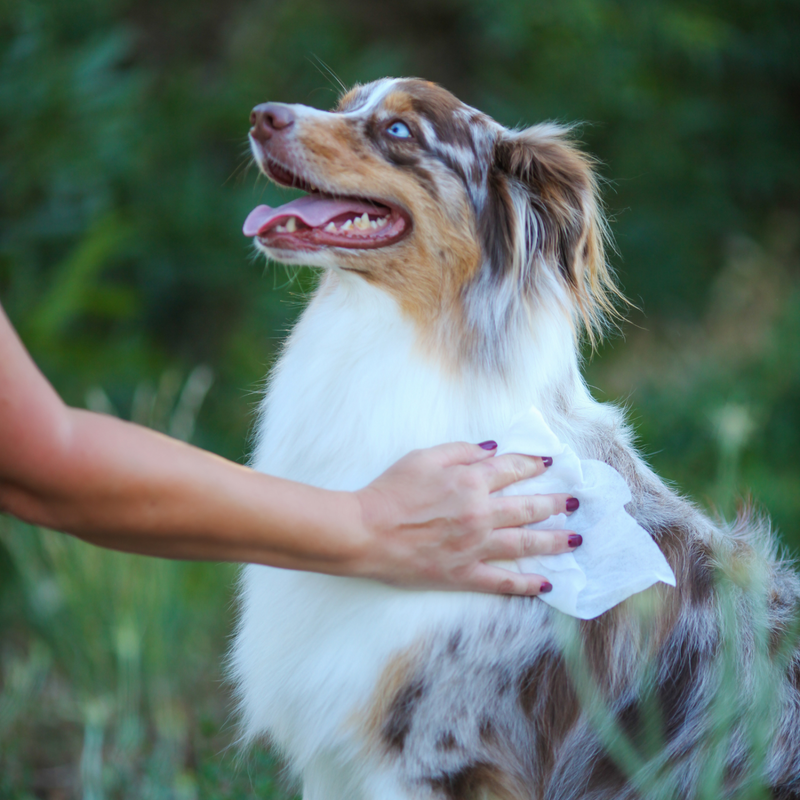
[556, 222]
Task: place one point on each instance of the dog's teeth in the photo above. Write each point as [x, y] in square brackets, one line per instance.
[362, 222]
[348, 226]
[373, 224]
[381, 222]
[280, 228]
[291, 225]
[331, 226]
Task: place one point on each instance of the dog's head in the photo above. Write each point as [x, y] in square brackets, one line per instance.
[454, 215]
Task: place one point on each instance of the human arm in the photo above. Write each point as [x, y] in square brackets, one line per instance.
[428, 521]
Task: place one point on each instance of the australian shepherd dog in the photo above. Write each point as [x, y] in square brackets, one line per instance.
[461, 263]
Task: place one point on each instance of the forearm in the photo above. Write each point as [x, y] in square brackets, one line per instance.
[429, 520]
[119, 485]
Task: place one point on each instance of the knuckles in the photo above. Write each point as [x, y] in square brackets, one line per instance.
[535, 508]
[506, 586]
[472, 482]
[421, 458]
[475, 517]
[528, 542]
[524, 467]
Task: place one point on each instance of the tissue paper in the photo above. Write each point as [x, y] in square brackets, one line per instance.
[617, 559]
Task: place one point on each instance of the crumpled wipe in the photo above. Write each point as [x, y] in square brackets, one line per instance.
[617, 559]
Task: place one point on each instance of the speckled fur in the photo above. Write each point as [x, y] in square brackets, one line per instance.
[490, 710]
[371, 692]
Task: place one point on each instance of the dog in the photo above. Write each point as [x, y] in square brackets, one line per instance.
[461, 264]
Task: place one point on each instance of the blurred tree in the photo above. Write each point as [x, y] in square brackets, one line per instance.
[124, 183]
[122, 124]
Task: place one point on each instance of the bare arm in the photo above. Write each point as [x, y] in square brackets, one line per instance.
[427, 521]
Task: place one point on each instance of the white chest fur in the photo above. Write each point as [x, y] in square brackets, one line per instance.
[350, 395]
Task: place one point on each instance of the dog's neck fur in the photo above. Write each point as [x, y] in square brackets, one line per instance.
[382, 390]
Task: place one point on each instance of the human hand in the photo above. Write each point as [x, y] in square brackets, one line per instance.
[432, 521]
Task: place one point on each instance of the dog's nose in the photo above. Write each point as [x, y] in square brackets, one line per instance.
[268, 118]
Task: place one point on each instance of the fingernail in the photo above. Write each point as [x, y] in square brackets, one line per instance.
[575, 540]
[490, 445]
[572, 504]
[546, 587]
[547, 461]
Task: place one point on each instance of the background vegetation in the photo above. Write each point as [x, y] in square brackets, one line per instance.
[122, 193]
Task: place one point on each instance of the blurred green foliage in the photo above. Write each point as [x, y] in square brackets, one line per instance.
[123, 186]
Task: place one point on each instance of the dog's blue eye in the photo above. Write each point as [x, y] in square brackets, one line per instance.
[399, 130]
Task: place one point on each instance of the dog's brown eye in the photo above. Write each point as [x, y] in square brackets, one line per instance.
[399, 130]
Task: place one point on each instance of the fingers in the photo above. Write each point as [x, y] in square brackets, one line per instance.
[512, 512]
[496, 580]
[462, 452]
[504, 470]
[511, 543]
[500, 472]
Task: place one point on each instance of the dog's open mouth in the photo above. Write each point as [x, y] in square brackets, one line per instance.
[322, 220]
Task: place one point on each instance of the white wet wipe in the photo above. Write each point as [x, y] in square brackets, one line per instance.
[617, 559]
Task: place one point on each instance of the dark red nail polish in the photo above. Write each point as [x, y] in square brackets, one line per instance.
[575, 540]
[490, 445]
[547, 461]
[572, 504]
[546, 587]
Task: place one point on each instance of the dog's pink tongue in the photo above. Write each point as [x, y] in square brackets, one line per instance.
[313, 209]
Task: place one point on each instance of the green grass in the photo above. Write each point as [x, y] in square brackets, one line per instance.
[110, 663]
[112, 683]
[742, 707]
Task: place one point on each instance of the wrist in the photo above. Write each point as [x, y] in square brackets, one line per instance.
[353, 537]
[365, 534]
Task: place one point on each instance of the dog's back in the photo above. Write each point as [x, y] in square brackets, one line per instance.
[456, 310]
